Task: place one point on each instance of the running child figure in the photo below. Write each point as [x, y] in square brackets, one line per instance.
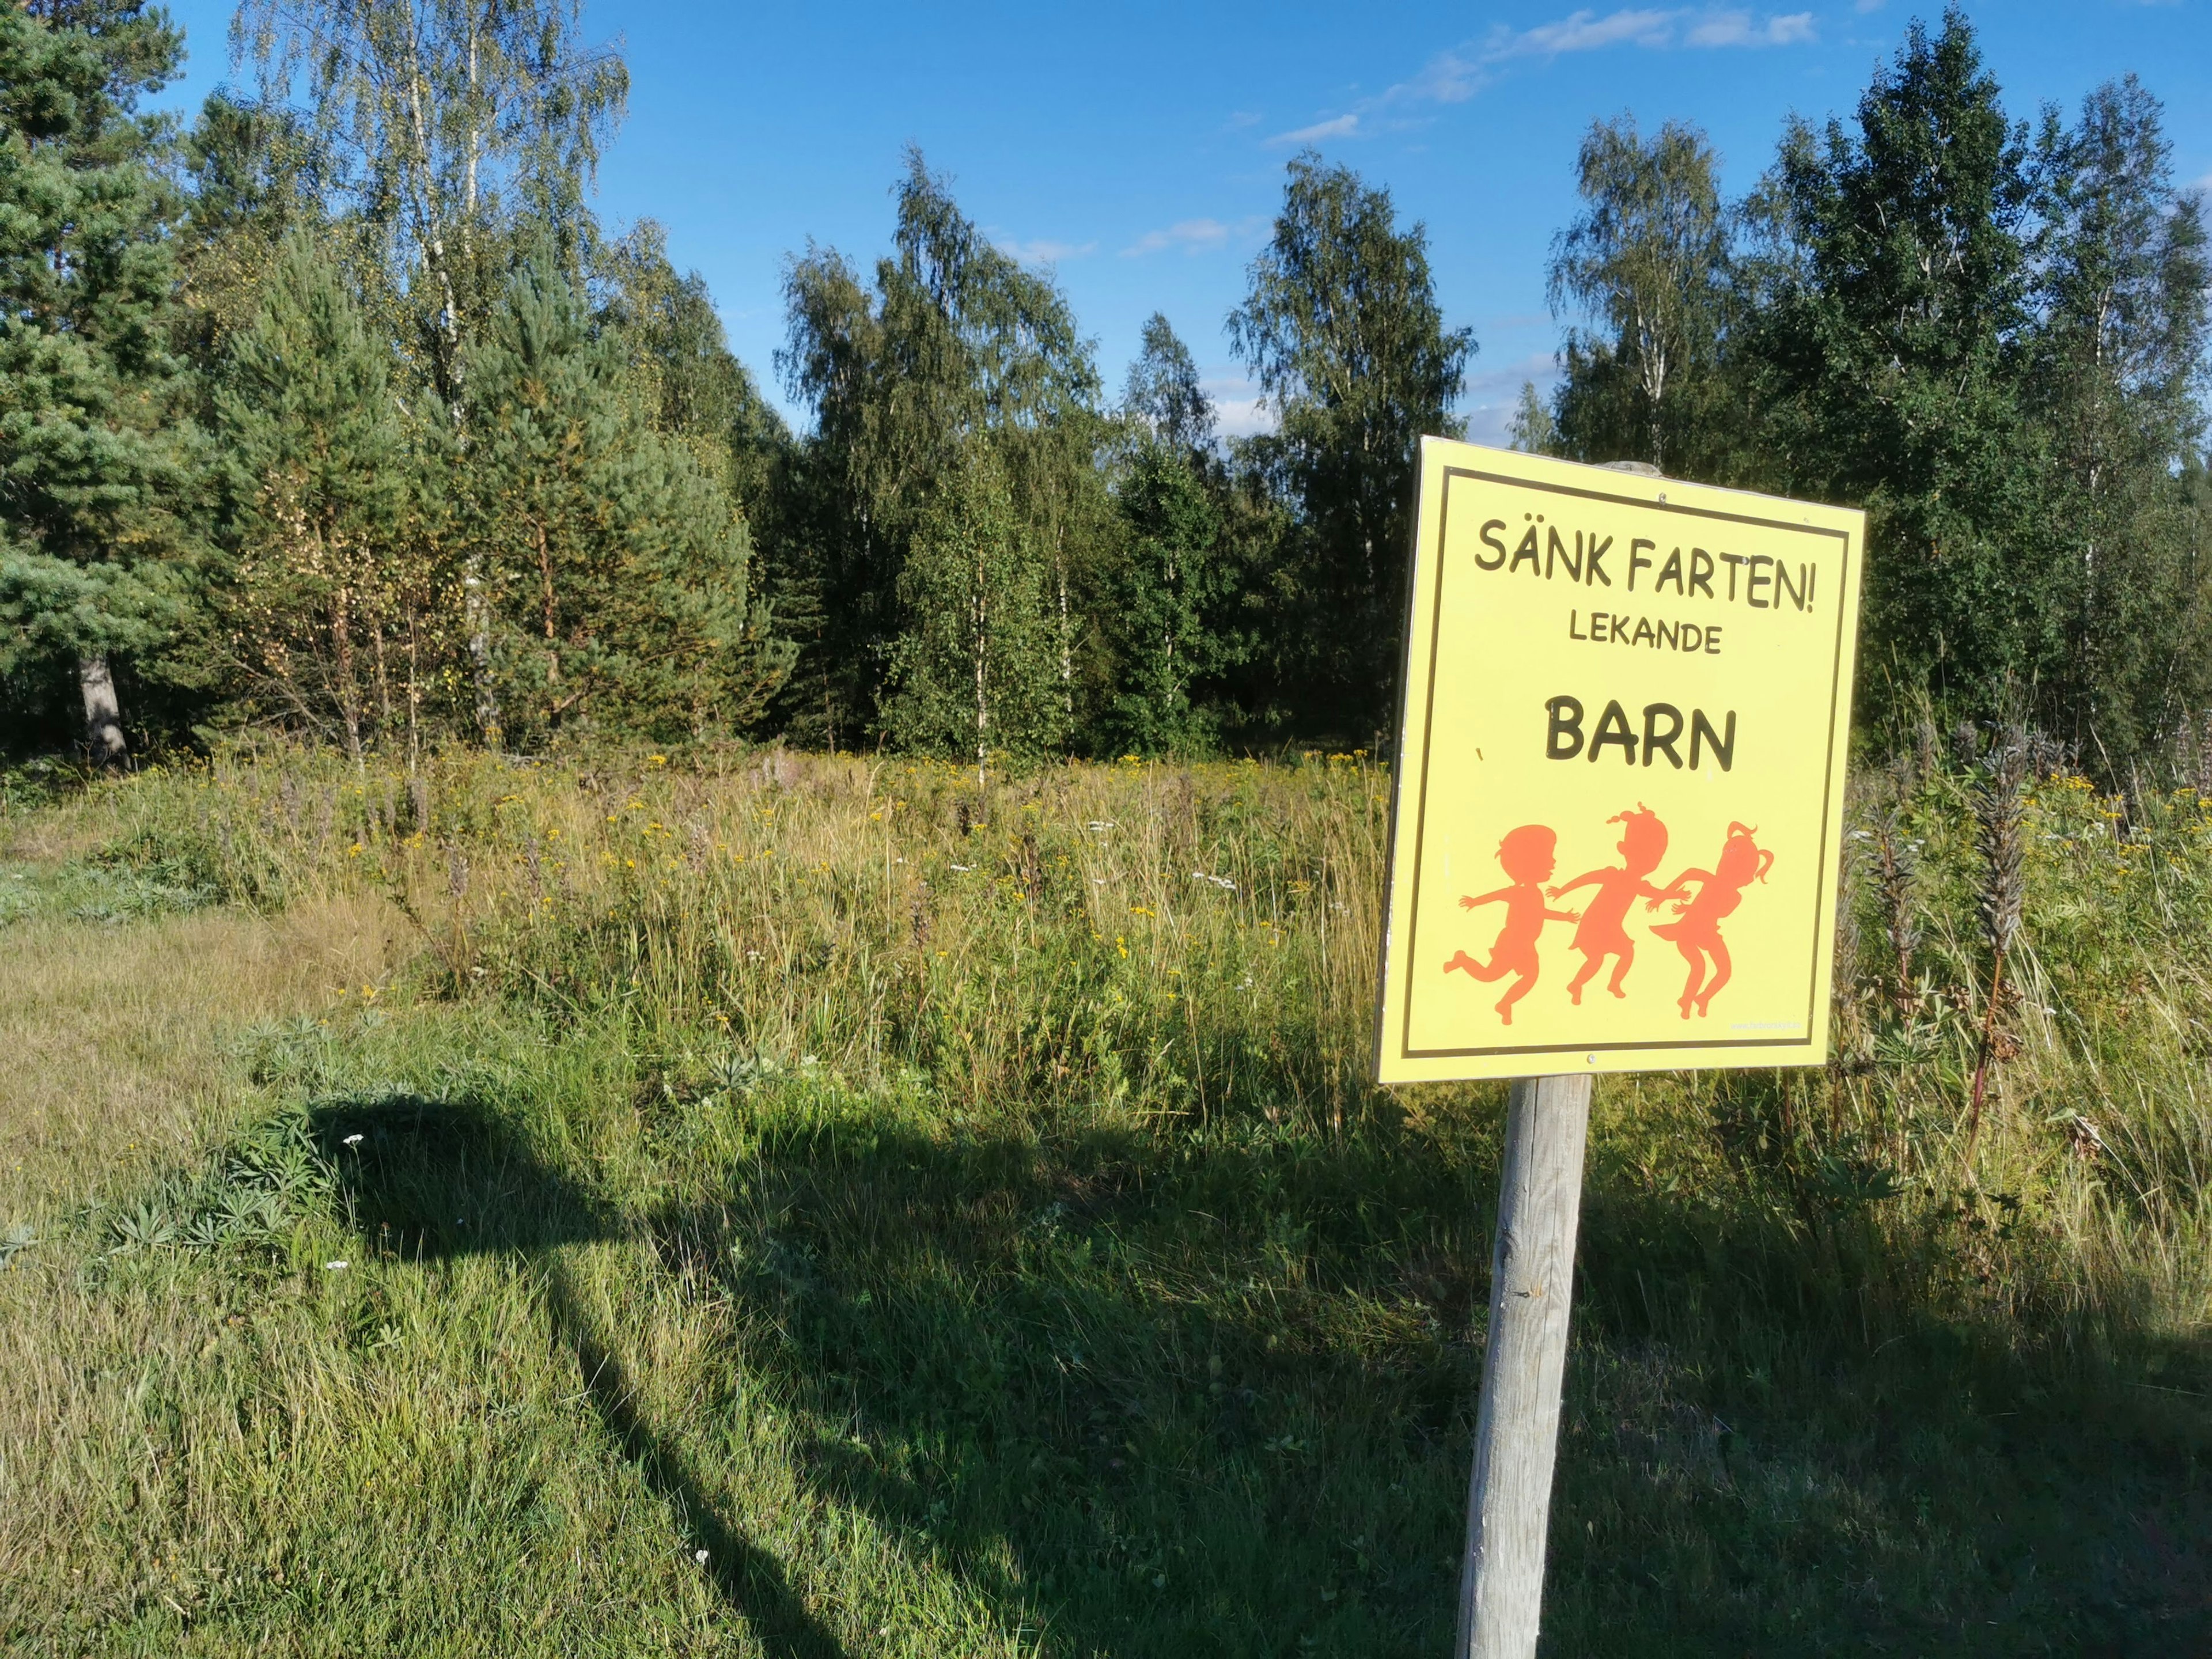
[1698, 934]
[1530, 855]
[1603, 933]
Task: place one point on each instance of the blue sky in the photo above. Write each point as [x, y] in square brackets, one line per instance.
[1138, 149]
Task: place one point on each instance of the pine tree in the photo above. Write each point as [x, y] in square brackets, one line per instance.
[1893, 353]
[92, 565]
[617, 568]
[975, 670]
[451, 139]
[319, 598]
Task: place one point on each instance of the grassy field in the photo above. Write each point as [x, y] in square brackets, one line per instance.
[779, 1205]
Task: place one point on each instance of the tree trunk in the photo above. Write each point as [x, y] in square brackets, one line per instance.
[553, 704]
[383, 683]
[477, 613]
[414, 689]
[349, 691]
[982, 643]
[103, 715]
[1066, 650]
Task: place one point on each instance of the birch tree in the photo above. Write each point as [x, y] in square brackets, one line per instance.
[1342, 331]
[1646, 265]
[952, 341]
[2117, 374]
[973, 671]
[438, 126]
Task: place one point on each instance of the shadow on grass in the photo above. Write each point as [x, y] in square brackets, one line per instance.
[430, 1180]
[1084, 1432]
[1163, 1400]
[1210, 1397]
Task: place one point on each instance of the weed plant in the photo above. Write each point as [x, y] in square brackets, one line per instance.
[774, 1203]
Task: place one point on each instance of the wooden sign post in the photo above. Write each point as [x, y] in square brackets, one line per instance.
[1625, 711]
[1532, 1277]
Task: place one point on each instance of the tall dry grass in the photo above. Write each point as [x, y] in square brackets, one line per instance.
[1197, 944]
[1004, 1136]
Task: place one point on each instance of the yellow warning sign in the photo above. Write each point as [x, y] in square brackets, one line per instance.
[1621, 773]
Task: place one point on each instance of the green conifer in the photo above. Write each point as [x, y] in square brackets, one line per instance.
[90, 549]
[617, 566]
[317, 456]
[1173, 574]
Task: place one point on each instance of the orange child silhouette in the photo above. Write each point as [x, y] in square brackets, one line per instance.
[1642, 844]
[1528, 854]
[1698, 934]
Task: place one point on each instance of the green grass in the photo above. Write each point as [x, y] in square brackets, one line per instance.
[971, 1230]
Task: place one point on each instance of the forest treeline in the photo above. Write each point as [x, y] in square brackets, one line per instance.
[334, 409]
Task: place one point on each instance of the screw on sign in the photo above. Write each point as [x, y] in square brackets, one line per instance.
[1649, 683]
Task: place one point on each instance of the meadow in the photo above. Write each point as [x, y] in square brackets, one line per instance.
[753, 1202]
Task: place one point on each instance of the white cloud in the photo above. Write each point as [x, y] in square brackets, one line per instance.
[1583, 31]
[1654, 29]
[1042, 250]
[1736, 28]
[1505, 381]
[1492, 424]
[1192, 236]
[2203, 185]
[1450, 77]
[1340, 126]
[1238, 404]
[1454, 75]
[1490, 399]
